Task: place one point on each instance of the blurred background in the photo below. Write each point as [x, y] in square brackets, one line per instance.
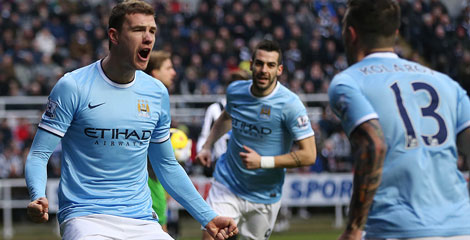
[40, 40]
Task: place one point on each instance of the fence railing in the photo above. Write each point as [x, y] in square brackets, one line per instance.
[188, 109]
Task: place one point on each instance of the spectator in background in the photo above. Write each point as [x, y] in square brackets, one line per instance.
[45, 42]
[222, 28]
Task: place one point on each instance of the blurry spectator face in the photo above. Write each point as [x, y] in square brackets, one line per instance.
[135, 40]
[417, 7]
[224, 33]
[266, 22]
[166, 73]
[440, 33]
[265, 70]
[279, 33]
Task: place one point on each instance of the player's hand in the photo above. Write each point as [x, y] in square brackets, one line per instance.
[204, 157]
[351, 235]
[222, 228]
[38, 210]
[251, 159]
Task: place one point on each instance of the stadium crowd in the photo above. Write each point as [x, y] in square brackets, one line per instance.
[42, 39]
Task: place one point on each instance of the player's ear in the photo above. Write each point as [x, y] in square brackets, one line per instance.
[113, 35]
[351, 34]
[279, 70]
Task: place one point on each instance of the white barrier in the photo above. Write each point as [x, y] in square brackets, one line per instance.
[325, 189]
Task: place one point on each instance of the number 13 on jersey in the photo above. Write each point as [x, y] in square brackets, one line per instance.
[426, 111]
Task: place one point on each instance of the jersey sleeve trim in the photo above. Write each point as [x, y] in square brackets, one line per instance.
[305, 136]
[51, 130]
[363, 119]
[160, 140]
[463, 127]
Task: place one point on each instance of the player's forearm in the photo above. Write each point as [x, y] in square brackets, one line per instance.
[36, 163]
[294, 159]
[369, 145]
[221, 126]
[305, 156]
[177, 183]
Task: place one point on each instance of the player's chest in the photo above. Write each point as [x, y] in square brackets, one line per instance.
[129, 111]
[257, 112]
[256, 119]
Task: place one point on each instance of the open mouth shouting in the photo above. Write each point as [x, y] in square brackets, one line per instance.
[144, 54]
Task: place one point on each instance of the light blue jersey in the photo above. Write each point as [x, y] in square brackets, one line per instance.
[421, 111]
[269, 125]
[106, 129]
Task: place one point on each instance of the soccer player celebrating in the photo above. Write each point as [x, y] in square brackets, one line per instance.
[265, 118]
[405, 122]
[108, 116]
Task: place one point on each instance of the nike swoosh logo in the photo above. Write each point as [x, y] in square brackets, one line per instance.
[93, 106]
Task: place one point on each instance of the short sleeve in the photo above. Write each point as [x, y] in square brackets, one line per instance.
[229, 105]
[297, 120]
[463, 110]
[61, 106]
[161, 132]
[349, 103]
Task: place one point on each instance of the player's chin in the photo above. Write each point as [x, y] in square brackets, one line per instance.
[141, 65]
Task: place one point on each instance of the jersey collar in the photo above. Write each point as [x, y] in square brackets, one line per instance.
[382, 55]
[267, 96]
[106, 79]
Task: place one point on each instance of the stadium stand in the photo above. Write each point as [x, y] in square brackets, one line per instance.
[41, 40]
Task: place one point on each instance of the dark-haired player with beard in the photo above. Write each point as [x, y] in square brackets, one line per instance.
[266, 119]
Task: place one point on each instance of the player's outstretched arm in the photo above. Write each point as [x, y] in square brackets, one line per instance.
[222, 227]
[177, 183]
[43, 145]
[221, 126]
[369, 148]
[463, 145]
[305, 156]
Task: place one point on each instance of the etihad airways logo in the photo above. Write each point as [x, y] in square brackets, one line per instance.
[118, 137]
[250, 129]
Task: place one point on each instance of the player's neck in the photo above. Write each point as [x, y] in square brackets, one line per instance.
[363, 54]
[115, 72]
[263, 92]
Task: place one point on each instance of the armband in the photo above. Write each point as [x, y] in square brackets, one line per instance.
[267, 162]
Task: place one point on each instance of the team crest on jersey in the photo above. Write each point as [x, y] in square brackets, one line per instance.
[303, 122]
[143, 108]
[50, 108]
[265, 112]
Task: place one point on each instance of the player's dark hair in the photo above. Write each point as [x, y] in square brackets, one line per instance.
[119, 12]
[269, 46]
[376, 21]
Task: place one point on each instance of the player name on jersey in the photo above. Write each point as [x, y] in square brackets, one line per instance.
[374, 69]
